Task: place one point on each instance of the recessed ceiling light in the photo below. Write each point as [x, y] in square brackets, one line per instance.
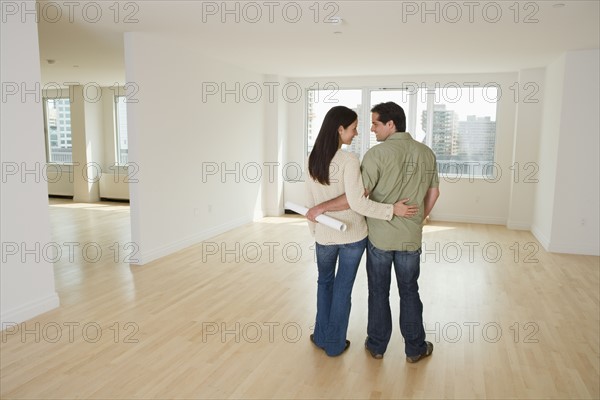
[558, 5]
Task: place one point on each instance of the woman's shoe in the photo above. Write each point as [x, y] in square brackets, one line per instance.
[312, 339]
[343, 351]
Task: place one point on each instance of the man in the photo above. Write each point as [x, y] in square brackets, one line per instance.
[398, 168]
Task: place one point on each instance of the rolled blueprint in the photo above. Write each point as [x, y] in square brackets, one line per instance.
[323, 219]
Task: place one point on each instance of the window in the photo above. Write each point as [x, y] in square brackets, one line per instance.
[457, 123]
[460, 128]
[58, 130]
[121, 144]
[322, 100]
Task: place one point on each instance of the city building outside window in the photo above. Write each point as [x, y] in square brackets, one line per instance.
[57, 114]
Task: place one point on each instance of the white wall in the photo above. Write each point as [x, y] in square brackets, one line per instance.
[548, 151]
[175, 135]
[26, 279]
[566, 211]
[575, 217]
[465, 200]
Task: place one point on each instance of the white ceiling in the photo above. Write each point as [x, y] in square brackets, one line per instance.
[377, 37]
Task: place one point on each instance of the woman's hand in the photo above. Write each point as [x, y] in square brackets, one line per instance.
[313, 213]
[401, 209]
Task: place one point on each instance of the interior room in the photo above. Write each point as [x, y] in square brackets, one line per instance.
[150, 151]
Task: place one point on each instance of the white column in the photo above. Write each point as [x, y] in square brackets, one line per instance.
[26, 273]
[275, 125]
[87, 141]
[525, 167]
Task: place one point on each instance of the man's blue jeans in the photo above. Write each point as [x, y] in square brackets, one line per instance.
[379, 329]
[334, 292]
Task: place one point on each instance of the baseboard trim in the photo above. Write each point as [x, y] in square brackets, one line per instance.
[544, 241]
[585, 249]
[468, 219]
[518, 226]
[29, 310]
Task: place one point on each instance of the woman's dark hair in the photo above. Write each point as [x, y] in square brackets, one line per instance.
[327, 142]
[391, 111]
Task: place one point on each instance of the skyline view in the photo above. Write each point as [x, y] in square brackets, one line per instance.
[462, 133]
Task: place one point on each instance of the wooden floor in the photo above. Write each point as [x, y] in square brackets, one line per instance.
[508, 320]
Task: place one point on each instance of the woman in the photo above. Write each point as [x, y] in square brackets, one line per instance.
[334, 172]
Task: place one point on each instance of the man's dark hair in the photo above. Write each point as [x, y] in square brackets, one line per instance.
[391, 111]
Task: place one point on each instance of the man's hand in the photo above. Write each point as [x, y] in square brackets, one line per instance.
[401, 209]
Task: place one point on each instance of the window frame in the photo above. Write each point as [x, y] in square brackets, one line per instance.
[117, 132]
[411, 122]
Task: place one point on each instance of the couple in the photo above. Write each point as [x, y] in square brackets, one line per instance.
[400, 178]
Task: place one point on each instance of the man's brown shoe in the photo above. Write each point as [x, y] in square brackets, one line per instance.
[427, 353]
[375, 355]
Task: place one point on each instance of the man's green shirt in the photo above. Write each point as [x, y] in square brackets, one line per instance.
[399, 168]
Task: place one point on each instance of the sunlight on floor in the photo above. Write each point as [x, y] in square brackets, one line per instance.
[92, 206]
[436, 228]
[284, 219]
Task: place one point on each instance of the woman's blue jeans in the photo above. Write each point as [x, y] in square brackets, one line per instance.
[379, 330]
[334, 293]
